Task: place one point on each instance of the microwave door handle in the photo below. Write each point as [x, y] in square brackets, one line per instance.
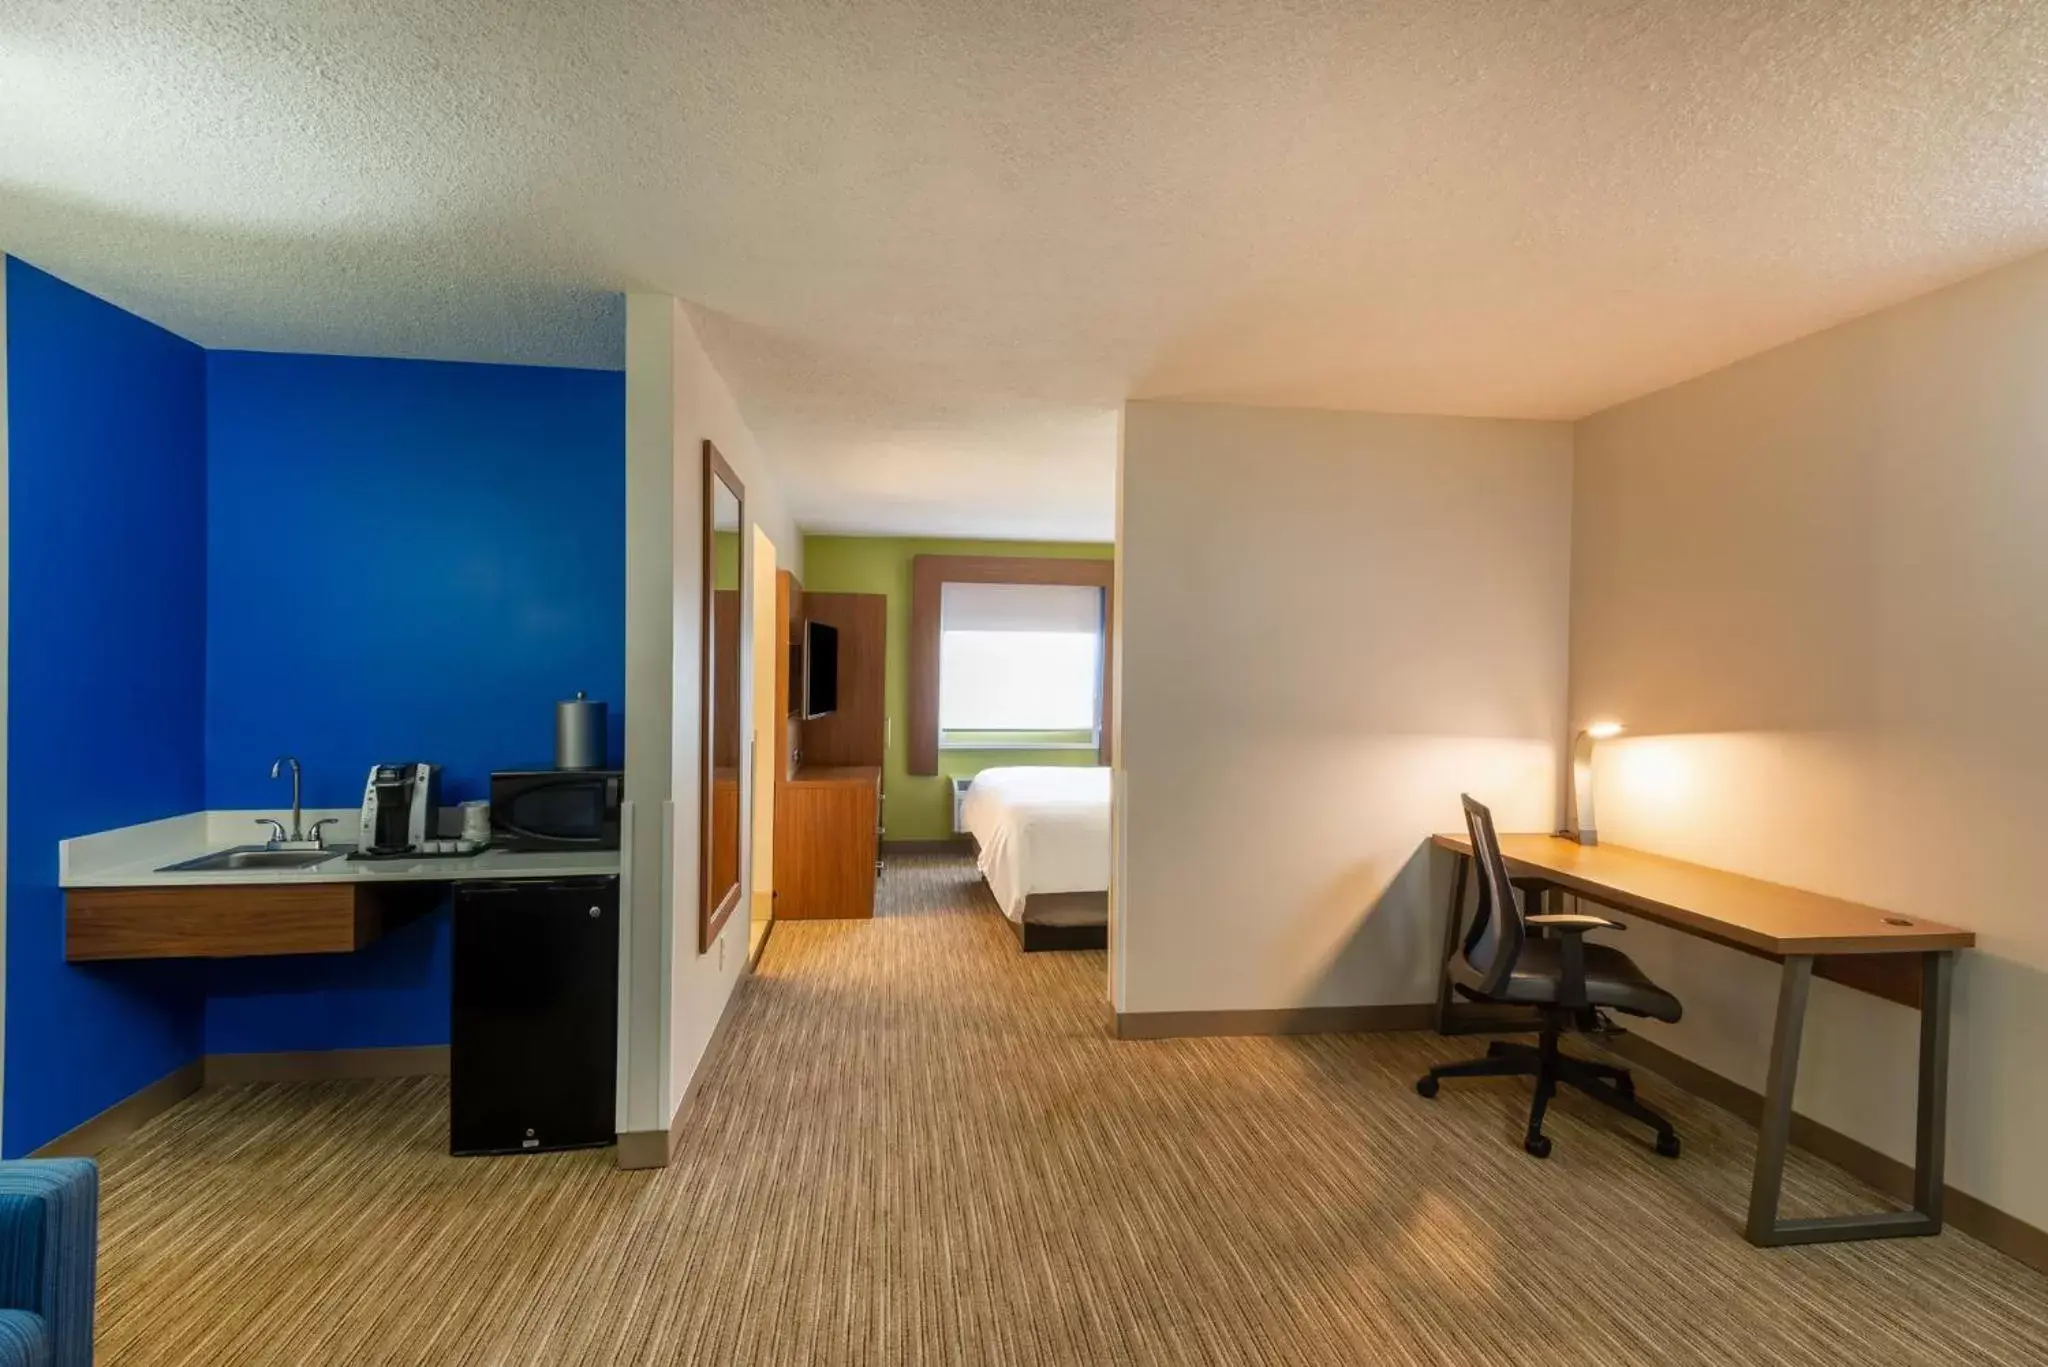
[517, 829]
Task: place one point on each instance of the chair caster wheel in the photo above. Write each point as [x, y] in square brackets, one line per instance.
[1538, 1145]
[1425, 1086]
[1667, 1145]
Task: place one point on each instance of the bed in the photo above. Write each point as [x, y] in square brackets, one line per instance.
[1041, 839]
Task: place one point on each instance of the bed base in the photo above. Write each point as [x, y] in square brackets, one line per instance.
[1035, 939]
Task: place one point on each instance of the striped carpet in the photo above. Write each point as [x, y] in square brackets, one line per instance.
[917, 1147]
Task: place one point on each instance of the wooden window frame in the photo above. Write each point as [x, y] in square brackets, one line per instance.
[929, 575]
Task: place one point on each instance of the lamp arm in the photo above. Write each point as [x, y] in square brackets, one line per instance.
[1582, 827]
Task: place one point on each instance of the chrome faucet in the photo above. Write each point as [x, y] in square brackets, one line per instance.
[295, 839]
[277, 769]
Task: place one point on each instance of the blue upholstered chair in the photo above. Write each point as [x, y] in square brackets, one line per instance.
[49, 1248]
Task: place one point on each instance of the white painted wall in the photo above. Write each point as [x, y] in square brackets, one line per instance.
[1815, 584]
[651, 463]
[1119, 790]
[1331, 625]
[675, 400]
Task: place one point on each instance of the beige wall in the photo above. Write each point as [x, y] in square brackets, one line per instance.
[675, 400]
[1815, 585]
[1331, 625]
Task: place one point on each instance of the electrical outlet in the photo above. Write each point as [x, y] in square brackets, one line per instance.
[721, 954]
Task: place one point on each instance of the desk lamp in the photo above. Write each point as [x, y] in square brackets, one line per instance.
[1579, 824]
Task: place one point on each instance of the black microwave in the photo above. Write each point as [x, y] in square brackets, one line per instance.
[556, 809]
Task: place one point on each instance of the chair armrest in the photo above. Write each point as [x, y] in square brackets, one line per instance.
[1571, 952]
[49, 1248]
[1573, 921]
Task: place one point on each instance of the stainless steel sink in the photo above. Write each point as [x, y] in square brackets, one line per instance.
[253, 857]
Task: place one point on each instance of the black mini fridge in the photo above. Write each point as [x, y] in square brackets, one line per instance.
[535, 1034]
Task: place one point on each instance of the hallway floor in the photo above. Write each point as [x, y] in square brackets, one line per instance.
[917, 1146]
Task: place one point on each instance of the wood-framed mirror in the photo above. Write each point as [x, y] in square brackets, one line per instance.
[725, 518]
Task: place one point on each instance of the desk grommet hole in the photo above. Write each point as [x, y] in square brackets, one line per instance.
[1898, 920]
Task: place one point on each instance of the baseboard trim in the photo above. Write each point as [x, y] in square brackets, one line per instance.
[322, 1065]
[1979, 1219]
[640, 1149]
[127, 1115]
[959, 844]
[132, 1112]
[1300, 1020]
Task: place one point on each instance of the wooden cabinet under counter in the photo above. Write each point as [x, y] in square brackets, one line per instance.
[229, 921]
[826, 822]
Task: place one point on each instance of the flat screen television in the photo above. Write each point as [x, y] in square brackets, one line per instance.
[821, 669]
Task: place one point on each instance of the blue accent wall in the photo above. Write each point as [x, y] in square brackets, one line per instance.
[406, 560]
[219, 558]
[106, 678]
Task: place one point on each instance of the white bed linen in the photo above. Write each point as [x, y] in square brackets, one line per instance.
[1041, 829]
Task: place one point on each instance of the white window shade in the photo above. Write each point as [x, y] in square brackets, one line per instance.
[1020, 657]
[1075, 608]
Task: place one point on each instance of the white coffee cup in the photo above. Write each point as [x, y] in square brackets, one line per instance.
[476, 820]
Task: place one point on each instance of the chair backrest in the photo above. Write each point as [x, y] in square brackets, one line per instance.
[1495, 941]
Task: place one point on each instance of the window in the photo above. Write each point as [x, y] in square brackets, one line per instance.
[997, 589]
[1020, 658]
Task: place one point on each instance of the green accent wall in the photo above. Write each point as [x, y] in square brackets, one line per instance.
[921, 808]
[725, 560]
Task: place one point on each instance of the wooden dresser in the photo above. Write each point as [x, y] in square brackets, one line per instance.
[828, 806]
[828, 821]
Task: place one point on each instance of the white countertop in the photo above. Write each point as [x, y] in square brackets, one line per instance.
[134, 856]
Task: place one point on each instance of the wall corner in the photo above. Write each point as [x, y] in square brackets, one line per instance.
[6, 541]
[645, 903]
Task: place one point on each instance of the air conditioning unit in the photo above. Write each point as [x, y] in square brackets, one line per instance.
[961, 783]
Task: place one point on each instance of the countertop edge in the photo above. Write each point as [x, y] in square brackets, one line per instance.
[134, 856]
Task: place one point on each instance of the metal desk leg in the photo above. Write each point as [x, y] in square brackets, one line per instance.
[1775, 1126]
[1930, 1142]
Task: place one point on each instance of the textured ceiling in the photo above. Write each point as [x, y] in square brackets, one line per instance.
[934, 245]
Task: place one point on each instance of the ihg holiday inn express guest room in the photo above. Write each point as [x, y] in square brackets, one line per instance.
[1151, 684]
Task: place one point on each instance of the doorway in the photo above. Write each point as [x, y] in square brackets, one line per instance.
[768, 715]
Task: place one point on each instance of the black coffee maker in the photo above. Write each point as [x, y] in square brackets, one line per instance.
[401, 807]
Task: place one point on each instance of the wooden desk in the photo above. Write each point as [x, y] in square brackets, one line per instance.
[1909, 960]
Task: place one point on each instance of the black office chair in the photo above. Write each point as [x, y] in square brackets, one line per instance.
[1569, 982]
